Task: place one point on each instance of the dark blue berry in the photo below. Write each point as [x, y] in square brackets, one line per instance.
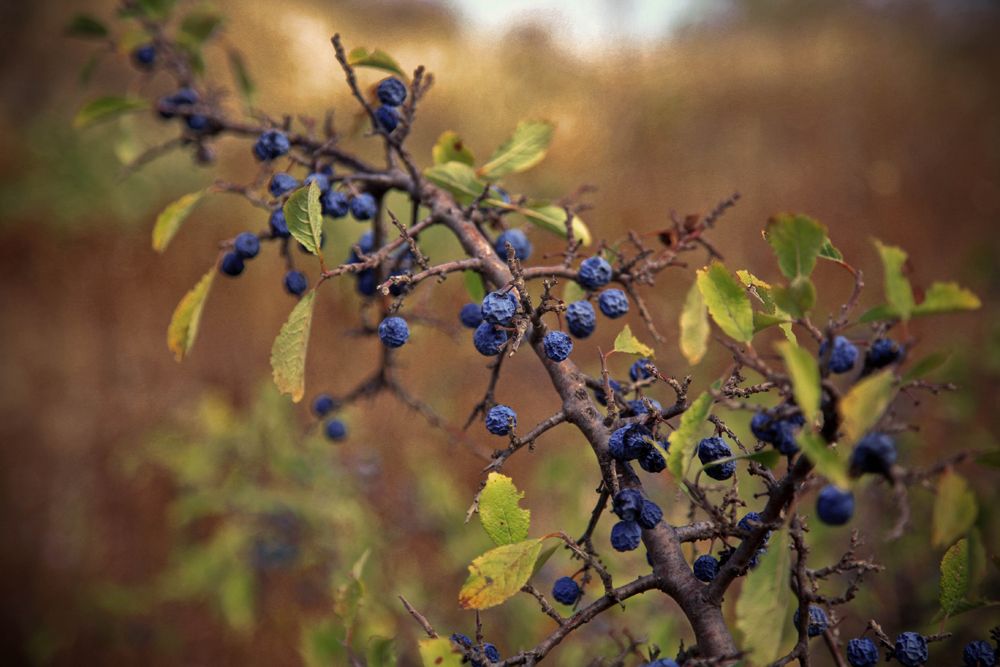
[144, 56]
[979, 654]
[334, 204]
[462, 640]
[488, 339]
[278, 224]
[638, 406]
[367, 282]
[566, 591]
[613, 303]
[875, 453]
[182, 98]
[817, 623]
[557, 345]
[705, 568]
[321, 180]
[499, 308]
[282, 183]
[883, 351]
[363, 206]
[391, 91]
[627, 504]
[270, 145]
[625, 536]
[650, 515]
[323, 404]
[296, 283]
[713, 449]
[581, 319]
[500, 420]
[652, 461]
[387, 118]
[662, 662]
[366, 243]
[911, 649]
[834, 506]
[843, 355]
[862, 652]
[393, 331]
[637, 371]
[471, 315]
[599, 393]
[629, 442]
[232, 264]
[196, 122]
[595, 273]
[246, 245]
[491, 652]
[518, 240]
[335, 429]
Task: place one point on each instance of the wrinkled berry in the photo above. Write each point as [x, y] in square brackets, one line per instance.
[393, 332]
[843, 355]
[911, 649]
[862, 652]
[629, 442]
[613, 303]
[638, 370]
[581, 319]
[518, 240]
[500, 420]
[625, 536]
[599, 393]
[705, 568]
[712, 449]
[246, 245]
[461, 640]
[566, 591]
[594, 273]
[278, 224]
[232, 264]
[488, 340]
[499, 308]
[817, 621]
[875, 453]
[363, 206]
[627, 504]
[323, 404]
[296, 283]
[334, 203]
[335, 429]
[367, 282]
[652, 461]
[834, 506]
[882, 352]
[321, 180]
[979, 654]
[650, 515]
[391, 91]
[557, 345]
[638, 406]
[387, 118]
[270, 145]
[471, 315]
[282, 183]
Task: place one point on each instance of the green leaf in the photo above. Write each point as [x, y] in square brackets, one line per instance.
[863, 405]
[106, 108]
[474, 286]
[198, 26]
[551, 218]
[381, 652]
[439, 652]
[955, 577]
[288, 354]
[504, 521]
[762, 608]
[829, 251]
[304, 217]
[804, 373]
[156, 9]
[797, 299]
[572, 292]
[451, 148]
[686, 437]
[727, 302]
[772, 314]
[543, 558]
[931, 362]
[86, 26]
[829, 462]
[694, 326]
[898, 292]
[377, 59]
[499, 574]
[244, 83]
[796, 240]
[171, 218]
[946, 298]
[525, 149]
[626, 342]
[237, 591]
[955, 509]
[183, 327]
[876, 314]
[457, 178]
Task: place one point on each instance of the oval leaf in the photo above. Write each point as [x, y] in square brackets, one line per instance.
[451, 148]
[626, 342]
[829, 461]
[804, 373]
[183, 327]
[457, 178]
[683, 440]
[955, 574]
[694, 326]
[863, 405]
[304, 217]
[796, 240]
[955, 509]
[762, 608]
[525, 149]
[106, 108]
[947, 298]
[170, 220]
[244, 83]
[898, 292]
[499, 574]
[288, 354]
[727, 302]
[553, 219]
[377, 59]
[504, 521]
[86, 27]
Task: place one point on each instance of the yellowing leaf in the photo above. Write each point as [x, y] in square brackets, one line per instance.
[804, 372]
[686, 437]
[304, 217]
[183, 327]
[727, 302]
[762, 608]
[439, 652]
[451, 148]
[288, 354]
[377, 59]
[525, 149]
[626, 342]
[694, 326]
[955, 509]
[945, 298]
[898, 292]
[504, 521]
[169, 221]
[863, 405]
[829, 462]
[499, 574]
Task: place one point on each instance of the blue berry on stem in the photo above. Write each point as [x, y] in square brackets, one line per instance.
[713, 449]
[471, 315]
[282, 183]
[393, 331]
[144, 56]
[843, 355]
[627, 504]
[599, 393]
[874, 453]
[594, 273]
[232, 264]
[363, 206]
[705, 568]
[650, 515]
[196, 122]
[335, 430]
[882, 352]
[500, 420]
[278, 224]
[911, 649]
[270, 145]
[581, 319]
[625, 536]
[979, 653]
[246, 245]
[488, 340]
[386, 118]
[557, 345]
[296, 283]
[817, 622]
[638, 370]
[652, 461]
[566, 591]
[334, 204]
[862, 652]
[391, 92]
[321, 180]
[499, 308]
[518, 240]
[323, 404]
[613, 303]
[834, 506]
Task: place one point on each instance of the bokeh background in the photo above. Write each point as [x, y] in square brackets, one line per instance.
[156, 513]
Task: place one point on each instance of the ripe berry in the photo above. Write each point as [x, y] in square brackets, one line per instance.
[627, 504]
[843, 355]
[613, 303]
[834, 506]
[393, 332]
[581, 319]
[712, 449]
[144, 56]
[883, 351]
[705, 568]
[391, 91]
[518, 240]
[500, 420]
[650, 515]
[196, 122]
[278, 224]
[499, 308]
[488, 339]
[367, 282]
[183, 97]
[282, 183]
[599, 393]
[566, 591]
[911, 649]
[557, 345]
[386, 118]
[366, 243]
[652, 461]
[862, 652]
[232, 264]
[363, 206]
[334, 204]
[491, 653]
[625, 536]
[662, 662]
[296, 283]
[750, 521]
[876, 452]
[471, 315]
[321, 180]
[629, 442]
[270, 145]
[979, 654]
[638, 406]
[323, 404]
[595, 273]
[461, 640]
[638, 370]
[818, 621]
[246, 245]
[335, 430]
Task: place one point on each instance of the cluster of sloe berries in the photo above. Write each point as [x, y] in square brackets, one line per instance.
[490, 652]
[706, 567]
[334, 429]
[636, 513]
[391, 93]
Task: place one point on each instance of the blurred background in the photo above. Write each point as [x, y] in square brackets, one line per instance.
[157, 513]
